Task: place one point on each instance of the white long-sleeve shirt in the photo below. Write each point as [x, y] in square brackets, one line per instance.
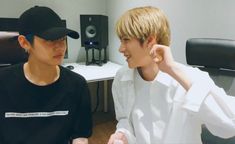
[162, 112]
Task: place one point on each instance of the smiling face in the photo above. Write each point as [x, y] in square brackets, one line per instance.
[137, 28]
[137, 54]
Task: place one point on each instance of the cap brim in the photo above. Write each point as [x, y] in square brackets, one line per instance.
[57, 33]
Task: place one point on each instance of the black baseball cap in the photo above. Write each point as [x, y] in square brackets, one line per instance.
[44, 23]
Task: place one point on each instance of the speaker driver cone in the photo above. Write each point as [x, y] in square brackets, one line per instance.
[90, 31]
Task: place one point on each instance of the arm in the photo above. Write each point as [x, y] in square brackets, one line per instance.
[218, 113]
[124, 129]
[209, 104]
[82, 128]
[162, 56]
[202, 98]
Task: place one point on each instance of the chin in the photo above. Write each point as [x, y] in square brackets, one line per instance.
[131, 66]
[57, 62]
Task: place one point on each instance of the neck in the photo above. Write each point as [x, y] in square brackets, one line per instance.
[40, 74]
[148, 72]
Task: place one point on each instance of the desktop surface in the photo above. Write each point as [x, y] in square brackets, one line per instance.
[94, 73]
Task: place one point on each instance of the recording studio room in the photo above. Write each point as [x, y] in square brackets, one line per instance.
[202, 36]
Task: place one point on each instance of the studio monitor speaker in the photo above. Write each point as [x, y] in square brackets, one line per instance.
[94, 31]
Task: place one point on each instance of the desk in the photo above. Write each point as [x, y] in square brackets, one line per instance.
[94, 73]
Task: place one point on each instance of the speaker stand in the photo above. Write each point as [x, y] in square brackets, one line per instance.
[98, 61]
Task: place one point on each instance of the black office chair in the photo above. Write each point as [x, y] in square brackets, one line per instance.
[217, 57]
[10, 50]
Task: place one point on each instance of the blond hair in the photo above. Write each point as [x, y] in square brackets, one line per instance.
[142, 22]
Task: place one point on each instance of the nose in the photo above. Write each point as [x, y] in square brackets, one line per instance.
[122, 48]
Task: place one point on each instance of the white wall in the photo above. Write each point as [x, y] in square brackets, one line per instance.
[188, 18]
[67, 9]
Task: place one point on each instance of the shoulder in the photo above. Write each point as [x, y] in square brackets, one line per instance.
[124, 70]
[74, 83]
[71, 76]
[124, 74]
[6, 72]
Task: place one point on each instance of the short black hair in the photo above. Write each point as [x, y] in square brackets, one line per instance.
[30, 38]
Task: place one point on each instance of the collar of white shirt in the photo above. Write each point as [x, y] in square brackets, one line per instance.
[163, 78]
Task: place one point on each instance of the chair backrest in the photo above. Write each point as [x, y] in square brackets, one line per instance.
[217, 57]
[211, 53]
[10, 50]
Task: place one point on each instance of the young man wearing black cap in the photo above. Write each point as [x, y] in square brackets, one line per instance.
[40, 101]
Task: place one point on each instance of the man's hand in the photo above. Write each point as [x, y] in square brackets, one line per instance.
[118, 138]
[80, 141]
[162, 55]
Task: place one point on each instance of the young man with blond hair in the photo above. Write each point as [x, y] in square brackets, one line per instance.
[160, 101]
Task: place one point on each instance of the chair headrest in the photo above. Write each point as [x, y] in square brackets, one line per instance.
[211, 53]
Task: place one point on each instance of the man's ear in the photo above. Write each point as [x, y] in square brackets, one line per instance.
[151, 40]
[24, 43]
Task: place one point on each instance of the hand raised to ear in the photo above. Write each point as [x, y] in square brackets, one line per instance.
[162, 55]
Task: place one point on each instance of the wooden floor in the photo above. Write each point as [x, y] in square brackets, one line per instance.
[104, 126]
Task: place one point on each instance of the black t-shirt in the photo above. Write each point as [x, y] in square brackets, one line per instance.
[52, 114]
